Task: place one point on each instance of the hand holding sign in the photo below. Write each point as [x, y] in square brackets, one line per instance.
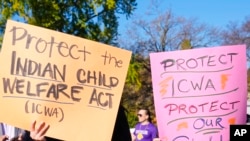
[37, 132]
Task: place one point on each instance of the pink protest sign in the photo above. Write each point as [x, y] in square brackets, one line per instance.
[198, 93]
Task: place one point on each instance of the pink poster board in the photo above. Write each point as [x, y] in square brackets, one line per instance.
[198, 93]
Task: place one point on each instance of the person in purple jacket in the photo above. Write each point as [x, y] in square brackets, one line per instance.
[145, 130]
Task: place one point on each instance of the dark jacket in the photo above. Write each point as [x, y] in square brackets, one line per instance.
[121, 130]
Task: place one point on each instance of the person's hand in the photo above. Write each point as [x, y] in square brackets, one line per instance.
[133, 137]
[4, 138]
[38, 133]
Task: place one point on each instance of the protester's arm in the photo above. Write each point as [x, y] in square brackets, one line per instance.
[133, 137]
[38, 133]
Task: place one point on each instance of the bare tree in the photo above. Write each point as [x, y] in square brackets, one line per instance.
[168, 32]
[237, 33]
[198, 34]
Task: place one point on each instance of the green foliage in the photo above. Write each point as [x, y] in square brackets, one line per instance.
[132, 119]
[138, 88]
[185, 44]
[133, 73]
[92, 19]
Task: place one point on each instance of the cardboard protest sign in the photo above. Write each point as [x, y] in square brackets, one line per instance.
[198, 93]
[71, 83]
